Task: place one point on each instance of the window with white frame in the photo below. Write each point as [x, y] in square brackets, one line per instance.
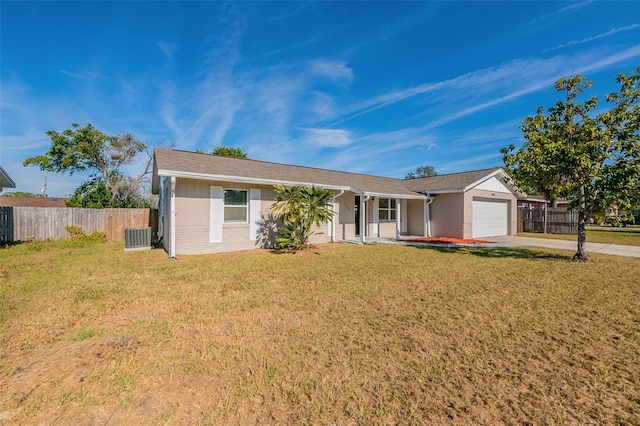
[387, 209]
[235, 205]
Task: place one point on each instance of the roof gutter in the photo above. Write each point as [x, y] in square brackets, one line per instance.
[427, 215]
[172, 226]
[242, 179]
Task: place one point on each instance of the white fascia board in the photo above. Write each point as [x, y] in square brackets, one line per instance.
[487, 177]
[479, 181]
[241, 179]
[417, 196]
[442, 191]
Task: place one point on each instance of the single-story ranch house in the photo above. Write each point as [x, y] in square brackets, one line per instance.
[211, 204]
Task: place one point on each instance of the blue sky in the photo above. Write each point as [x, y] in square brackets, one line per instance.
[369, 87]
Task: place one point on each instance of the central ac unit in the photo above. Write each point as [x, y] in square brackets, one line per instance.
[137, 239]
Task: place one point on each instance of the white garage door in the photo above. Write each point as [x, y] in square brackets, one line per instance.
[490, 218]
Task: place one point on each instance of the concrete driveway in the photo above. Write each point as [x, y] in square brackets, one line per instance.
[614, 249]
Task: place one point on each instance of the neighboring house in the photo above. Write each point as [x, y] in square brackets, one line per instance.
[539, 202]
[9, 201]
[532, 201]
[213, 204]
[5, 180]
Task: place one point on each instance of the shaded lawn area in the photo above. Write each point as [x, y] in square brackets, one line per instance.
[624, 236]
[344, 334]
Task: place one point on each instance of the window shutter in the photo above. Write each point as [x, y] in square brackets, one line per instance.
[403, 211]
[254, 213]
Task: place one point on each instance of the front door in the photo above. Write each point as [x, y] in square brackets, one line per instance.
[356, 211]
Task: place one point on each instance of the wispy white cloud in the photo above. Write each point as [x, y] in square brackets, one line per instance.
[321, 106]
[81, 75]
[332, 138]
[203, 113]
[559, 13]
[168, 48]
[381, 151]
[334, 70]
[526, 75]
[470, 162]
[595, 37]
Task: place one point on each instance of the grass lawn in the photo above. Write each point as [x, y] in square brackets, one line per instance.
[345, 334]
[626, 236]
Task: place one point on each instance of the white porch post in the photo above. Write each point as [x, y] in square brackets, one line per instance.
[398, 216]
[425, 233]
[363, 218]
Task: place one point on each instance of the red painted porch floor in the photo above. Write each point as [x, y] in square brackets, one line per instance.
[446, 240]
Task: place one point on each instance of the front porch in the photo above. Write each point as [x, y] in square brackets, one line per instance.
[362, 218]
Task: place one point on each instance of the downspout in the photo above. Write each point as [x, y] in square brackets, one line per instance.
[172, 230]
[427, 215]
[333, 216]
[363, 218]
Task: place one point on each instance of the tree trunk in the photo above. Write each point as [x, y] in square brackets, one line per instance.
[581, 254]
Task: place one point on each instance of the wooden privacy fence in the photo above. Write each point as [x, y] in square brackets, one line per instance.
[547, 220]
[48, 223]
[6, 225]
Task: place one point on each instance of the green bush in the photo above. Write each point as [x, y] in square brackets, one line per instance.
[77, 235]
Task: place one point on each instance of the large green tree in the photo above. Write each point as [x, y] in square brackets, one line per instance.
[94, 194]
[421, 172]
[227, 151]
[571, 152]
[81, 149]
[299, 207]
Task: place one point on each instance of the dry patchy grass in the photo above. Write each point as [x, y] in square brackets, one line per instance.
[344, 334]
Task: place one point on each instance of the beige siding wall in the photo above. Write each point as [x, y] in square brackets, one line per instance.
[415, 217]
[387, 229]
[447, 215]
[345, 224]
[489, 195]
[193, 220]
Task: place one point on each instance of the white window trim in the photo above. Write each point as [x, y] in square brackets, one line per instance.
[388, 210]
[246, 206]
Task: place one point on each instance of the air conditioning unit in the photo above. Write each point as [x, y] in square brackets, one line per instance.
[137, 239]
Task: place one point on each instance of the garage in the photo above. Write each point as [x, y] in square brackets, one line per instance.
[490, 218]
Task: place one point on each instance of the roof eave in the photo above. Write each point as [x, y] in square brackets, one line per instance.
[415, 196]
[244, 179]
[5, 180]
[442, 191]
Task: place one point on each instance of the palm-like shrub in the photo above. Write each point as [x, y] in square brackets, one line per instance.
[300, 207]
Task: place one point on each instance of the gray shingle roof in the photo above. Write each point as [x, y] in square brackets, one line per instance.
[454, 182]
[207, 166]
[9, 201]
[212, 167]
